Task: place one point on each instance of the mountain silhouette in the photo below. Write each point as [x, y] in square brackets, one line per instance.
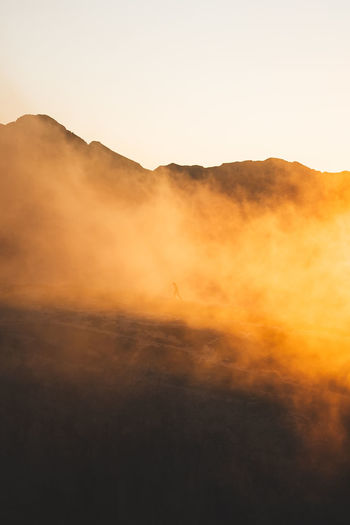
[122, 404]
[42, 135]
[55, 187]
[41, 139]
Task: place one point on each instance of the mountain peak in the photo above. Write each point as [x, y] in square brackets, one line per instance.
[42, 126]
[28, 117]
[39, 122]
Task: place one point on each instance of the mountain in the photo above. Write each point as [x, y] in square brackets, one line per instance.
[269, 183]
[40, 138]
[124, 402]
[76, 213]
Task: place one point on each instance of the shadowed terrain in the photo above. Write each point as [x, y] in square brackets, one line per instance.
[103, 421]
[122, 402]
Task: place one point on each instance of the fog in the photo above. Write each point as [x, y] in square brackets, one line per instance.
[270, 266]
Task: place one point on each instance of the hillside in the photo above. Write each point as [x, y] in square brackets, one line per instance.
[173, 343]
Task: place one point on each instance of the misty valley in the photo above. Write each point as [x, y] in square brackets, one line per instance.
[174, 343]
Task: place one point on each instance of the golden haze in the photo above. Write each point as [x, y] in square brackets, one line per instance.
[269, 262]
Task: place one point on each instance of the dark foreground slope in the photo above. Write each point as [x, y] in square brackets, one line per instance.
[104, 421]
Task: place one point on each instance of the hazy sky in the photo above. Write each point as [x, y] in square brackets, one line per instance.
[192, 82]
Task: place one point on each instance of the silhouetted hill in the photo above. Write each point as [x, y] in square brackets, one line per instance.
[41, 139]
[58, 193]
[123, 402]
[272, 181]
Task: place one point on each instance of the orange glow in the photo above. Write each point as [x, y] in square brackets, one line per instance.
[273, 270]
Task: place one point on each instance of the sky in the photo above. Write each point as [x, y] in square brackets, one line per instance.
[191, 82]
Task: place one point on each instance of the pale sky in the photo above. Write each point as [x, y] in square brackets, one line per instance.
[191, 82]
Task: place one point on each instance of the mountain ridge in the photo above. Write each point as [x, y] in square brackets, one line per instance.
[40, 142]
[54, 124]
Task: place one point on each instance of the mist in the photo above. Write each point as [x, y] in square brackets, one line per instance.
[263, 259]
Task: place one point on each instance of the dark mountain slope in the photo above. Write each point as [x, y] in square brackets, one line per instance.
[268, 183]
[38, 140]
